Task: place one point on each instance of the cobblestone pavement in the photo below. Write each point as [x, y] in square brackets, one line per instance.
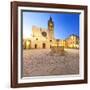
[39, 62]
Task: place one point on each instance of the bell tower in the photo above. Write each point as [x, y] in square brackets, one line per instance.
[51, 28]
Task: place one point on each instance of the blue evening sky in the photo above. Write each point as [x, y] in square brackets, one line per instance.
[65, 24]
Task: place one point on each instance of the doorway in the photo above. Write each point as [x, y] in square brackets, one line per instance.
[43, 45]
[35, 45]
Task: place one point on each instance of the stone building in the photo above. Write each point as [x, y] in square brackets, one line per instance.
[44, 38]
[41, 37]
[72, 41]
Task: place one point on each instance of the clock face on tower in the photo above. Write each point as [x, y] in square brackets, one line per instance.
[51, 24]
[44, 34]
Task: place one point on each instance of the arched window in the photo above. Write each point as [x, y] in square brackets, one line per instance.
[36, 38]
[50, 40]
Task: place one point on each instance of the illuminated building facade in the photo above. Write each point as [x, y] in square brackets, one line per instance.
[44, 38]
[72, 41]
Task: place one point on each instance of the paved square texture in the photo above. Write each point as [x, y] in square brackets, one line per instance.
[40, 62]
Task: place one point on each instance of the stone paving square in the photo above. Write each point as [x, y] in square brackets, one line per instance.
[41, 62]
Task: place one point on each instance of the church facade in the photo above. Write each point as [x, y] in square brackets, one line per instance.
[44, 38]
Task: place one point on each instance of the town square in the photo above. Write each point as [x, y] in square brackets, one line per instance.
[39, 62]
[44, 54]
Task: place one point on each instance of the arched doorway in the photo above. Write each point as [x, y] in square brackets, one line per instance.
[35, 45]
[27, 44]
[43, 45]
